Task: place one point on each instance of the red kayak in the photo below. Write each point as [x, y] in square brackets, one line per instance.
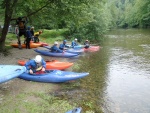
[92, 49]
[54, 64]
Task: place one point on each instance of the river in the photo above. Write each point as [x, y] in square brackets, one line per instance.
[119, 80]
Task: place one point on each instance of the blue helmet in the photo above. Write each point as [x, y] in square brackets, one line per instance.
[28, 27]
[64, 41]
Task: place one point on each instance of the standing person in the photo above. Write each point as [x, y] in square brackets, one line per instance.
[32, 33]
[74, 43]
[28, 38]
[35, 65]
[63, 45]
[22, 29]
[55, 49]
[86, 43]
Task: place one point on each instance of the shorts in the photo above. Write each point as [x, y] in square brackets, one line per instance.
[22, 32]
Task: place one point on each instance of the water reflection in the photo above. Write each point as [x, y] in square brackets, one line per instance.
[119, 75]
[129, 83]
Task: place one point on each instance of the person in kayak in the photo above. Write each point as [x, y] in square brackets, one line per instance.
[87, 45]
[55, 49]
[63, 46]
[74, 43]
[35, 65]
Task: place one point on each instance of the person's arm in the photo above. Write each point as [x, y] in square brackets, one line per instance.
[43, 63]
[61, 47]
[28, 65]
[72, 44]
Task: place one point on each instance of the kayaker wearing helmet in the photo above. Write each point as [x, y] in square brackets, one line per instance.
[55, 49]
[63, 45]
[74, 43]
[86, 43]
[36, 64]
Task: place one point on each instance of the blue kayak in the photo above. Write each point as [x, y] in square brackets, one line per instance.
[76, 110]
[55, 54]
[53, 76]
[8, 72]
[77, 47]
[71, 50]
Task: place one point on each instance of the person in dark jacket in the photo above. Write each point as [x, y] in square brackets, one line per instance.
[22, 28]
[32, 33]
[63, 45]
[28, 38]
[36, 64]
[55, 49]
[86, 43]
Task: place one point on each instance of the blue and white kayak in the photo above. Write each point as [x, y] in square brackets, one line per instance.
[55, 54]
[71, 50]
[54, 76]
[76, 110]
[8, 72]
[77, 47]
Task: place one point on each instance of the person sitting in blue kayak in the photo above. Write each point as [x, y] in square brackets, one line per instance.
[35, 65]
[55, 49]
[86, 43]
[63, 45]
[74, 43]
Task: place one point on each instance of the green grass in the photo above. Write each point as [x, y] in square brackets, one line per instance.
[50, 36]
[35, 102]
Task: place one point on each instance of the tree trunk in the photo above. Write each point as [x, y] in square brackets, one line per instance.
[9, 5]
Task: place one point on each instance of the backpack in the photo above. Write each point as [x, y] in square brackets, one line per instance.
[21, 25]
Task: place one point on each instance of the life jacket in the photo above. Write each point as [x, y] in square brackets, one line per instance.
[21, 25]
[36, 34]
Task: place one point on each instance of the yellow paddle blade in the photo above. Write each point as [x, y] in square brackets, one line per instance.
[40, 68]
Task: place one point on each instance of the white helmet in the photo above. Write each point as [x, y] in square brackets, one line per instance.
[76, 39]
[38, 59]
[56, 43]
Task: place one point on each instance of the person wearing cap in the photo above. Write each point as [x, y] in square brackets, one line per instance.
[74, 43]
[35, 65]
[86, 43]
[63, 45]
[28, 38]
[55, 49]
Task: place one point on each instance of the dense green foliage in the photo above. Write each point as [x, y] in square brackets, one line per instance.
[131, 13]
[84, 19]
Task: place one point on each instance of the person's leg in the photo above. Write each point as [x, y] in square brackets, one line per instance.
[19, 41]
[29, 43]
[35, 39]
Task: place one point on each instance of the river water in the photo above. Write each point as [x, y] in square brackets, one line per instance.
[119, 80]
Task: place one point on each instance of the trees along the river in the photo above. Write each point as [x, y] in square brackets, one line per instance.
[51, 13]
[132, 13]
